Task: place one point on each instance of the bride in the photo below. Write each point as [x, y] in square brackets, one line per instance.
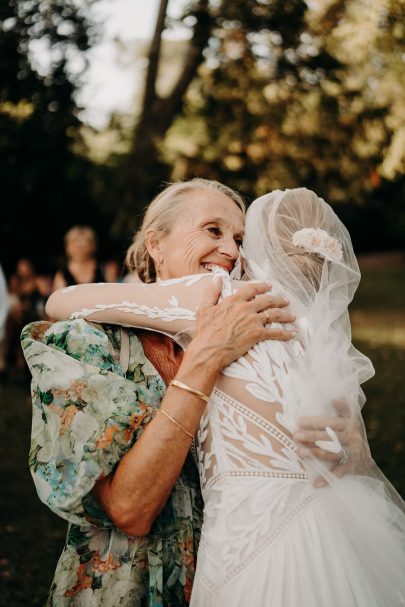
[270, 536]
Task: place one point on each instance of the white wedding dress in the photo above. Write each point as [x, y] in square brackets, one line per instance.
[269, 538]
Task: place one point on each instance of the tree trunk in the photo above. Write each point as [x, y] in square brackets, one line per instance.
[158, 113]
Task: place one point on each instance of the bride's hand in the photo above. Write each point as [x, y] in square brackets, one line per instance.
[354, 457]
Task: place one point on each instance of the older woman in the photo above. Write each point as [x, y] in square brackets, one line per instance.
[100, 455]
[121, 475]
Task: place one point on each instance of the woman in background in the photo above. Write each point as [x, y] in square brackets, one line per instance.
[81, 263]
[4, 304]
[27, 294]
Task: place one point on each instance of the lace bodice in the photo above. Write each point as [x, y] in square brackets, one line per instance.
[246, 430]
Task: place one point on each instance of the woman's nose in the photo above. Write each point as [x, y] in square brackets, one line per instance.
[230, 248]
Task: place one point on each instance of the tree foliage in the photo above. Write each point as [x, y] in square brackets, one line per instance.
[291, 95]
[284, 93]
[159, 111]
[45, 184]
[266, 94]
[296, 96]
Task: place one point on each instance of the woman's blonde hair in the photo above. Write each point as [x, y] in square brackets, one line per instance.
[161, 214]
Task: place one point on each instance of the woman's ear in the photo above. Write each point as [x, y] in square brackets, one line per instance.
[153, 244]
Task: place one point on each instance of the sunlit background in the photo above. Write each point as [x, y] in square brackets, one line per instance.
[259, 94]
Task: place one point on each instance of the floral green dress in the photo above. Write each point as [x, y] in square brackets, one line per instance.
[86, 415]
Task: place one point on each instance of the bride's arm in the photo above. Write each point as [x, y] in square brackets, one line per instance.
[168, 306]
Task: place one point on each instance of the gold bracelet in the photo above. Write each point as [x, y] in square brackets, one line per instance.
[187, 388]
[176, 423]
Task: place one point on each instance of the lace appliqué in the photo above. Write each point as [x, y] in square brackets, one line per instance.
[175, 312]
[242, 440]
[249, 470]
[249, 542]
[188, 281]
[266, 368]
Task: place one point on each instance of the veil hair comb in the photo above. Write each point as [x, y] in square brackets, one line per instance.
[316, 240]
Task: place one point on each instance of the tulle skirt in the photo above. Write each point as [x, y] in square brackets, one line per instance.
[323, 549]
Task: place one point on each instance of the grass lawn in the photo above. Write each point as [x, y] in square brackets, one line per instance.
[378, 322]
[31, 537]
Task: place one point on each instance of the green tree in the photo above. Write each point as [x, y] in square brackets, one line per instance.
[45, 184]
[294, 95]
[158, 111]
[217, 28]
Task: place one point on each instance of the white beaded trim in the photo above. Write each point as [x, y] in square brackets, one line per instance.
[303, 476]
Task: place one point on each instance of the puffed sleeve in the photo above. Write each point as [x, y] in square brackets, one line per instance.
[86, 415]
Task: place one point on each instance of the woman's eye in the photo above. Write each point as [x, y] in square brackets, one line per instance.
[238, 242]
[214, 230]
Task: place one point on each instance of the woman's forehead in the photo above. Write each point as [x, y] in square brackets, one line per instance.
[207, 205]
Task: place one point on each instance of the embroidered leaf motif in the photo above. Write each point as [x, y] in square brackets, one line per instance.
[173, 301]
[166, 314]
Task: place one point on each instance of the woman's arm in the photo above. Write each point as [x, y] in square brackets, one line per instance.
[168, 306]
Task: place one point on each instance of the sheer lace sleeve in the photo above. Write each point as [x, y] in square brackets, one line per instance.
[168, 306]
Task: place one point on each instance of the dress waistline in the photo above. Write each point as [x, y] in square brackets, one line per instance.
[304, 476]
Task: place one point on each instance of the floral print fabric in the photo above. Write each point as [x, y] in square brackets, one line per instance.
[86, 415]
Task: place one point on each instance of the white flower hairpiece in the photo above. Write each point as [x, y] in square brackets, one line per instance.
[315, 240]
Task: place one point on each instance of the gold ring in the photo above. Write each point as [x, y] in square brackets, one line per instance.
[267, 316]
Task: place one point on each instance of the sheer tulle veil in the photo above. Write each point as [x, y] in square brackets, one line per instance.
[271, 222]
[320, 277]
[295, 240]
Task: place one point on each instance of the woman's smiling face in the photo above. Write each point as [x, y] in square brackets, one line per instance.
[207, 231]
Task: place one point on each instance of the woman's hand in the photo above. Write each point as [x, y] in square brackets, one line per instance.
[354, 458]
[227, 330]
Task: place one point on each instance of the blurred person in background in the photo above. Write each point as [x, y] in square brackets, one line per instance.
[3, 301]
[81, 265]
[112, 271]
[27, 293]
